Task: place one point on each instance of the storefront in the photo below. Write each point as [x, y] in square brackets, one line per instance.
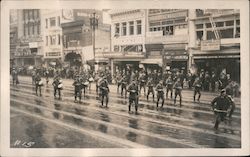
[218, 62]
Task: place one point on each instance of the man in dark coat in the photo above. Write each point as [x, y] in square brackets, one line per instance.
[133, 96]
[104, 89]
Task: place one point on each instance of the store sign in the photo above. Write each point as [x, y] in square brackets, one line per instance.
[168, 16]
[181, 57]
[210, 45]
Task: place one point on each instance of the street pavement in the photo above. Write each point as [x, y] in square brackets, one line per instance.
[45, 122]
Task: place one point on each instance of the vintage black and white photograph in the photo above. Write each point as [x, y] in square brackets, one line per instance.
[125, 78]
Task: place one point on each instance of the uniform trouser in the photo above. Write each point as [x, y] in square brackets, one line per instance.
[105, 96]
[219, 116]
[96, 88]
[195, 92]
[144, 88]
[135, 101]
[38, 88]
[78, 93]
[160, 96]
[59, 92]
[118, 86]
[171, 92]
[213, 86]
[177, 92]
[232, 110]
[153, 93]
[124, 88]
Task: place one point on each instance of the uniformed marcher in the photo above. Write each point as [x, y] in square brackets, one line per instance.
[46, 74]
[160, 93]
[133, 96]
[14, 76]
[150, 86]
[58, 86]
[104, 89]
[169, 86]
[78, 88]
[142, 80]
[197, 88]
[178, 89]
[124, 85]
[220, 106]
[38, 83]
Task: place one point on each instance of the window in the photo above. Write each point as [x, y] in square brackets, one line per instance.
[219, 24]
[199, 26]
[24, 30]
[26, 15]
[59, 20]
[124, 28]
[28, 29]
[59, 39]
[237, 34]
[52, 22]
[208, 25]
[33, 28]
[117, 29]
[46, 22]
[35, 14]
[116, 48]
[227, 33]
[38, 28]
[47, 42]
[199, 35]
[138, 23]
[131, 28]
[237, 22]
[229, 23]
[210, 35]
[53, 40]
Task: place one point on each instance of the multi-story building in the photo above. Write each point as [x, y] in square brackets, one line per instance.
[216, 41]
[78, 37]
[52, 37]
[30, 45]
[128, 29]
[167, 38]
[13, 36]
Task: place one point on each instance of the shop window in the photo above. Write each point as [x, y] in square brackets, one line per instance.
[139, 26]
[227, 33]
[199, 26]
[199, 35]
[124, 28]
[131, 28]
[229, 23]
[52, 22]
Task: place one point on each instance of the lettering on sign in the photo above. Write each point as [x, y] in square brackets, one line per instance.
[210, 45]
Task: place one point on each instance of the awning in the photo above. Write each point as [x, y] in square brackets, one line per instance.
[152, 61]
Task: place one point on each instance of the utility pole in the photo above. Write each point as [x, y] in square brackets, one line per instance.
[93, 24]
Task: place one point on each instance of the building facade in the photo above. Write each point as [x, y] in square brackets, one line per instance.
[78, 33]
[52, 37]
[13, 36]
[29, 49]
[167, 38]
[128, 29]
[217, 41]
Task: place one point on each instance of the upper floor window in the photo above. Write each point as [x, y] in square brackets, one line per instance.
[46, 23]
[52, 21]
[124, 28]
[131, 28]
[139, 25]
[117, 29]
[58, 21]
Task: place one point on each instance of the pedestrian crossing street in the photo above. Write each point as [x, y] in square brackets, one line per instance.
[188, 126]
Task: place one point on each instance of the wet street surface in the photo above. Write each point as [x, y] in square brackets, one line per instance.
[45, 122]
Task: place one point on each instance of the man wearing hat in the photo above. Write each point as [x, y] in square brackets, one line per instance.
[220, 106]
[38, 83]
[197, 88]
[150, 86]
[160, 93]
[178, 89]
[133, 95]
[104, 89]
[14, 76]
[169, 85]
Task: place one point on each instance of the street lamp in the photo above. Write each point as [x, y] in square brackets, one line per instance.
[93, 24]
